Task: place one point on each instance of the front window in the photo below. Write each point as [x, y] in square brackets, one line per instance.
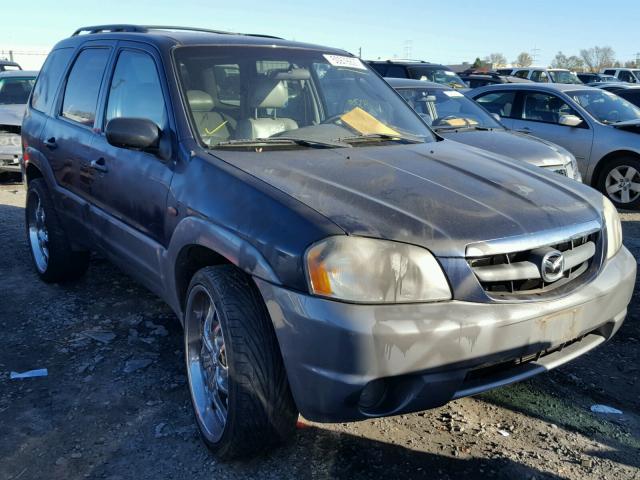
[605, 106]
[15, 90]
[544, 107]
[562, 76]
[240, 96]
[437, 75]
[448, 109]
[636, 73]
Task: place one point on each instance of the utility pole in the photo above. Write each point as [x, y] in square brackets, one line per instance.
[11, 55]
[535, 52]
[406, 51]
[360, 52]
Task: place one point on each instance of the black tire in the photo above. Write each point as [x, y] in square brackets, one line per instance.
[62, 263]
[622, 165]
[260, 411]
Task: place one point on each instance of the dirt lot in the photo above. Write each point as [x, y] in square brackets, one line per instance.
[114, 404]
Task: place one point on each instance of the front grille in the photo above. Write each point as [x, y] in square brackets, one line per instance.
[521, 273]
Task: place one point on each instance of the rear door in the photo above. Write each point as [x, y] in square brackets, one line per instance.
[69, 132]
[538, 113]
[130, 187]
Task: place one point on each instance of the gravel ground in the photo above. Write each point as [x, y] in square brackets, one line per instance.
[115, 405]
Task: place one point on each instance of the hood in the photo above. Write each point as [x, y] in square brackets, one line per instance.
[631, 125]
[518, 146]
[440, 195]
[12, 114]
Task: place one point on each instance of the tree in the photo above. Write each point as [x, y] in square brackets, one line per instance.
[523, 60]
[597, 58]
[570, 63]
[478, 63]
[496, 60]
[631, 64]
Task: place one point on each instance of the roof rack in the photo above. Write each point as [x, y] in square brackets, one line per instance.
[145, 28]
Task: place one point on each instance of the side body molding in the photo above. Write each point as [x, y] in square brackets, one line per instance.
[196, 231]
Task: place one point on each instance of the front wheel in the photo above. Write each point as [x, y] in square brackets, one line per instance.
[238, 385]
[620, 182]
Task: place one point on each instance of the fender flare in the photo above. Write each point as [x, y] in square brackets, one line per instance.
[195, 231]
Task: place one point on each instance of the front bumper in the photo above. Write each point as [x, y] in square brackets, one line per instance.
[10, 162]
[349, 362]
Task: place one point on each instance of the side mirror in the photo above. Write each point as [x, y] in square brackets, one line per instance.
[133, 133]
[496, 116]
[569, 120]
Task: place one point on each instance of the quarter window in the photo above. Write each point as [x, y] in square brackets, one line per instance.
[498, 102]
[521, 74]
[135, 90]
[396, 71]
[83, 86]
[49, 79]
[542, 107]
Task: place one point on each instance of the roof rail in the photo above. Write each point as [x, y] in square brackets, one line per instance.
[146, 28]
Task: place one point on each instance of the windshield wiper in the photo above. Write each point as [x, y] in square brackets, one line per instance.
[463, 127]
[380, 137]
[274, 142]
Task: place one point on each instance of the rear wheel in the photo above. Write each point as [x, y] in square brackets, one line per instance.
[238, 385]
[52, 255]
[620, 182]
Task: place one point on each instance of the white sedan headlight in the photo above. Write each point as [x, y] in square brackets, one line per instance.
[367, 270]
[613, 226]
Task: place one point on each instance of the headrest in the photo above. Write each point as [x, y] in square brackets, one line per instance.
[199, 101]
[269, 93]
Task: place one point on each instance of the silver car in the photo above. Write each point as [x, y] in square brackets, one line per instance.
[598, 127]
[456, 117]
[15, 87]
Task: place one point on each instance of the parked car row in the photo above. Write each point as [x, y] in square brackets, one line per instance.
[326, 251]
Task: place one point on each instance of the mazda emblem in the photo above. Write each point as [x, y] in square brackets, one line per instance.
[552, 267]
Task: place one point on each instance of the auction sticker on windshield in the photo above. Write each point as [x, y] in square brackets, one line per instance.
[342, 61]
[452, 93]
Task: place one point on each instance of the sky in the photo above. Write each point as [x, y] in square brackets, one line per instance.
[436, 31]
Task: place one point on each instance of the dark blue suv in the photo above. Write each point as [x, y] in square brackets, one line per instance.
[325, 251]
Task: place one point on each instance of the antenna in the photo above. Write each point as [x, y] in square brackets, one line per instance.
[535, 53]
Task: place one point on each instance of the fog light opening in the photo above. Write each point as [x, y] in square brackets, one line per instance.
[373, 394]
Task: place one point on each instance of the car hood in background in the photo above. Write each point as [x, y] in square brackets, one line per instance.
[11, 114]
[518, 146]
[441, 195]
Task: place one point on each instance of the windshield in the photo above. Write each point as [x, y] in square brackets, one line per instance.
[239, 95]
[437, 75]
[15, 90]
[605, 106]
[447, 109]
[562, 76]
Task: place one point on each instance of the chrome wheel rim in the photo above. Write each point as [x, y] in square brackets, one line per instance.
[206, 363]
[623, 184]
[38, 234]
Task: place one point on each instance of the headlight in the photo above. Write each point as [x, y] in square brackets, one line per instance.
[614, 227]
[572, 167]
[366, 270]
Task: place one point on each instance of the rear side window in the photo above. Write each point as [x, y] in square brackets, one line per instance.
[135, 89]
[381, 68]
[396, 71]
[522, 74]
[49, 79]
[83, 86]
[610, 72]
[498, 102]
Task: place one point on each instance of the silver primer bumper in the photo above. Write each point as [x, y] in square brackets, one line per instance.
[348, 362]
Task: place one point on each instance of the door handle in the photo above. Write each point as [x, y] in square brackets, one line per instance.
[50, 143]
[524, 130]
[99, 165]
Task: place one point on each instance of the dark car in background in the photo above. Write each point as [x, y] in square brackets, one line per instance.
[631, 95]
[418, 70]
[480, 79]
[456, 117]
[8, 66]
[15, 87]
[589, 78]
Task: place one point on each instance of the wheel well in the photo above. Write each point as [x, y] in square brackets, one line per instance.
[33, 172]
[191, 259]
[608, 158]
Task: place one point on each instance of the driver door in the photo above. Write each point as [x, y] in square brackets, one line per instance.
[131, 187]
[539, 116]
